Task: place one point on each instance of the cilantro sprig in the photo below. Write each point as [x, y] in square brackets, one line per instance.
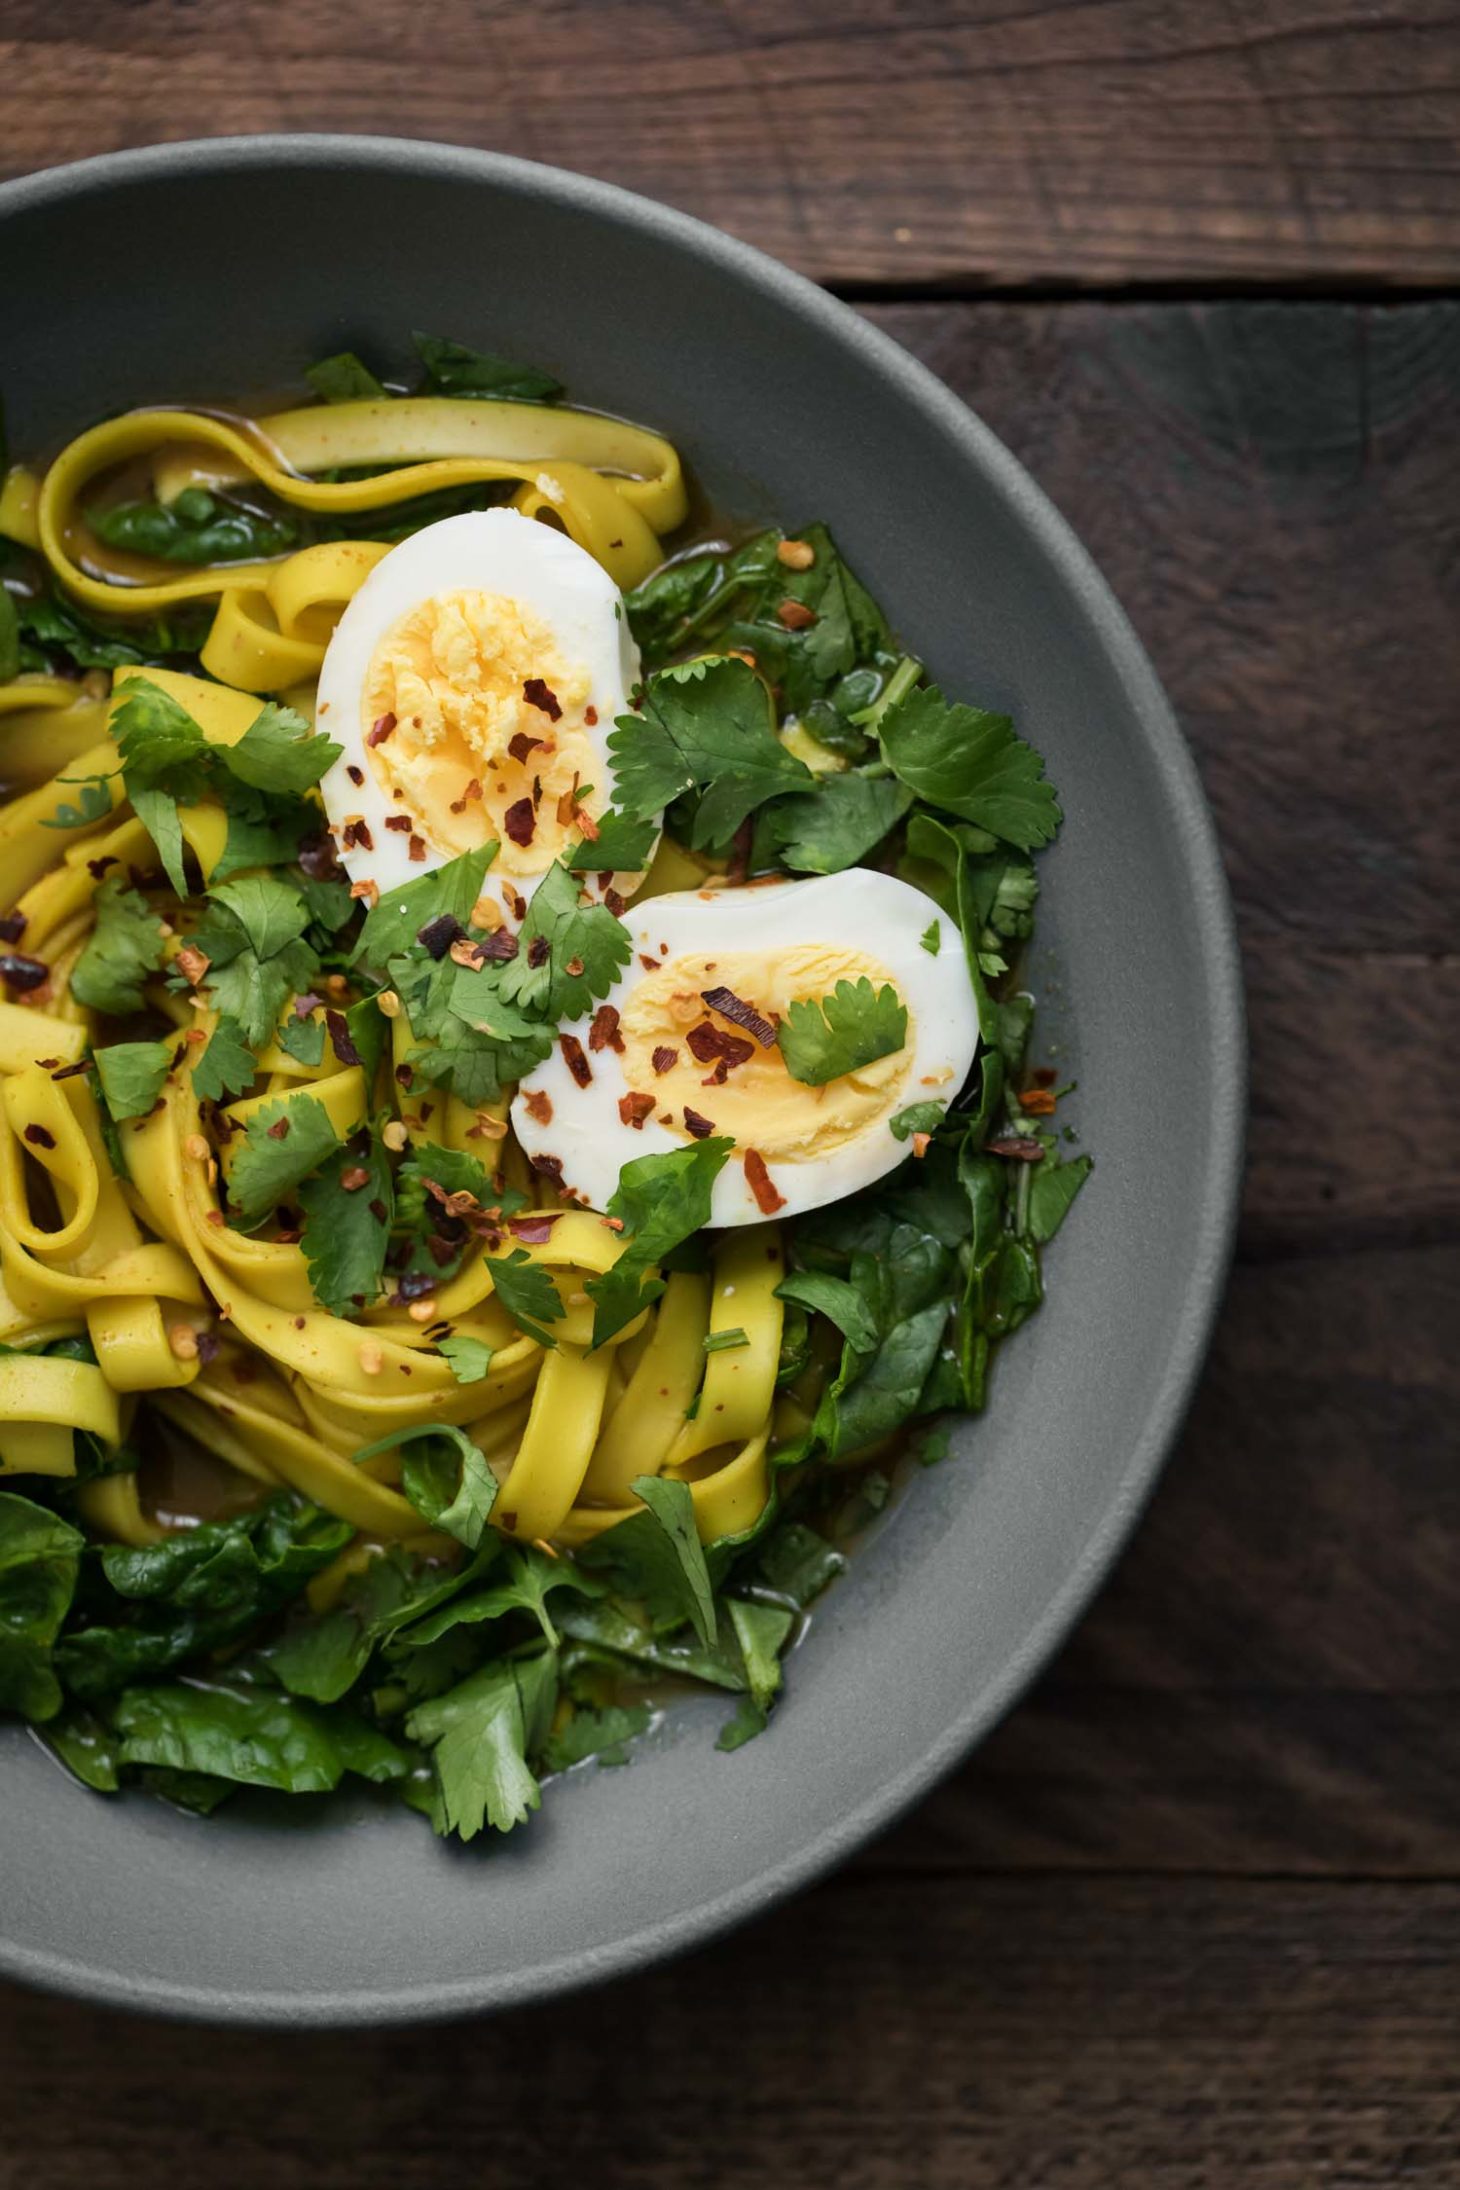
[854, 1026]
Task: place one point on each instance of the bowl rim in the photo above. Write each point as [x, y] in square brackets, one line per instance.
[1217, 1198]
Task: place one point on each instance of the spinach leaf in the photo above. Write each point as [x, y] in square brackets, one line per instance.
[832, 828]
[253, 1735]
[453, 369]
[445, 1476]
[40, 1558]
[198, 527]
[1052, 1189]
[707, 727]
[660, 1201]
[344, 379]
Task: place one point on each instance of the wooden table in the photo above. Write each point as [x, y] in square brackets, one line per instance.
[1191, 1918]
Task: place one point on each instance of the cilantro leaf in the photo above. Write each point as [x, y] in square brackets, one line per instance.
[656, 1557]
[279, 752]
[851, 1028]
[470, 1358]
[582, 937]
[480, 1734]
[227, 1066]
[124, 947]
[707, 726]
[835, 1299]
[621, 845]
[453, 369]
[1052, 1189]
[347, 1228]
[970, 763]
[833, 827]
[395, 922]
[527, 1292]
[533, 1576]
[302, 1039]
[344, 379]
[661, 1201]
[94, 804]
[917, 1118]
[253, 938]
[476, 999]
[266, 1169]
[131, 1076]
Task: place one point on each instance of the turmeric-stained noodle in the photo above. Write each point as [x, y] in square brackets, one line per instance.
[440, 1108]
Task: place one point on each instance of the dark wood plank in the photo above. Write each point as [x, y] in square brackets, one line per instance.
[878, 2035]
[1269, 488]
[1101, 141]
[1268, 1681]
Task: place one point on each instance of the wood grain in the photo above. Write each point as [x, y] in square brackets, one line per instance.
[936, 2034]
[1102, 141]
[1270, 490]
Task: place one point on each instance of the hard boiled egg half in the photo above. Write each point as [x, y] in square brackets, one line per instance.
[685, 1044]
[473, 682]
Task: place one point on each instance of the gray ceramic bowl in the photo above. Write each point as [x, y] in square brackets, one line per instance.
[195, 270]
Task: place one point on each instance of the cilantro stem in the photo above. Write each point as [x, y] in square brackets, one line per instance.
[1022, 1187]
[725, 591]
[897, 687]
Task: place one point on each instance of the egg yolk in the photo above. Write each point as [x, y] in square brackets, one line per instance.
[755, 1101]
[458, 721]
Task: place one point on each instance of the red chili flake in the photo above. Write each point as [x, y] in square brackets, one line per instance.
[18, 972]
[279, 1130]
[340, 1040]
[193, 963]
[441, 1250]
[537, 951]
[464, 953]
[520, 820]
[378, 1209]
[796, 616]
[438, 935]
[357, 832]
[650, 965]
[12, 927]
[1037, 1102]
[664, 1058]
[499, 947]
[1044, 1075]
[520, 745]
[575, 1060]
[707, 1042]
[537, 694]
[399, 822]
[356, 775]
[921, 1143]
[590, 716]
[416, 849]
[718, 1077]
[617, 905]
[731, 1007]
[69, 1072]
[634, 1109]
[353, 1177]
[380, 730]
[404, 1075]
[516, 901]
[536, 792]
[551, 1167]
[535, 1230]
[758, 1179]
[40, 1137]
[694, 1123]
[1017, 1145]
[568, 808]
[604, 1033]
[98, 867]
[538, 1105]
[473, 790]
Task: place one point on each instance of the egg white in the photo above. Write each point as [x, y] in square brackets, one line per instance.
[860, 910]
[498, 552]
